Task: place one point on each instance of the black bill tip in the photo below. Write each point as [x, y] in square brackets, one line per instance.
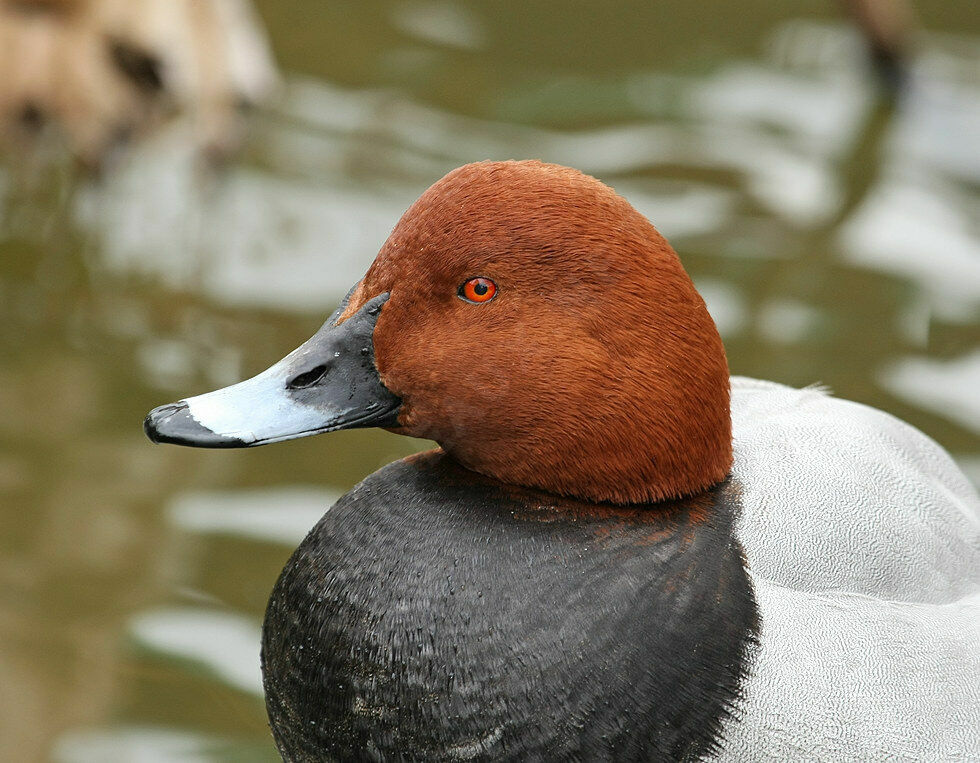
[173, 423]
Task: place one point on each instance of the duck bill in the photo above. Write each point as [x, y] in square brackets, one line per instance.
[329, 383]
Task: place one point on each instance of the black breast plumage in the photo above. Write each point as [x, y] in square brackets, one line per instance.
[433, 614]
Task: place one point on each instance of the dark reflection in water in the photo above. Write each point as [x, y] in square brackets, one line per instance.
[833, 234]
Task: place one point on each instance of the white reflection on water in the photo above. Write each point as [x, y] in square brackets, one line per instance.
[725, 304]
[787, 182]
[277, 515]
[440, 23]
[920, 230]
[166, 362]
[225, 645]
[816, 113]
[951, 388]
[787, 321]
[681, 209]
[135, 745]
[941, 115]
[258, 240]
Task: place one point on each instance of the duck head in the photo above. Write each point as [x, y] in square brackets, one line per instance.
[529, 320]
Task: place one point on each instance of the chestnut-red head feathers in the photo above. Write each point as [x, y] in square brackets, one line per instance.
[595, 370]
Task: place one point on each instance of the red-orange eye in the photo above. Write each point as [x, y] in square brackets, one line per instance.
[478, 290]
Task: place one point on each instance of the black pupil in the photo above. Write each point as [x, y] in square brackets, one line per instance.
[480, 288]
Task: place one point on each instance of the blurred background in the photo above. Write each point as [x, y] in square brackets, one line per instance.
[188, 187]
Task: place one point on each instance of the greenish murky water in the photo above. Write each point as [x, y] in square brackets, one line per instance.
[835, 238]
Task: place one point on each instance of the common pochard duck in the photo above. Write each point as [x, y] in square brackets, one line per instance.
[583, 571]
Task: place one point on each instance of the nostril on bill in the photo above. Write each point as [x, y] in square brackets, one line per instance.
[307, 378]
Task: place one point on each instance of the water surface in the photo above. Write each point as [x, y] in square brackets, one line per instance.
[834, 235]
